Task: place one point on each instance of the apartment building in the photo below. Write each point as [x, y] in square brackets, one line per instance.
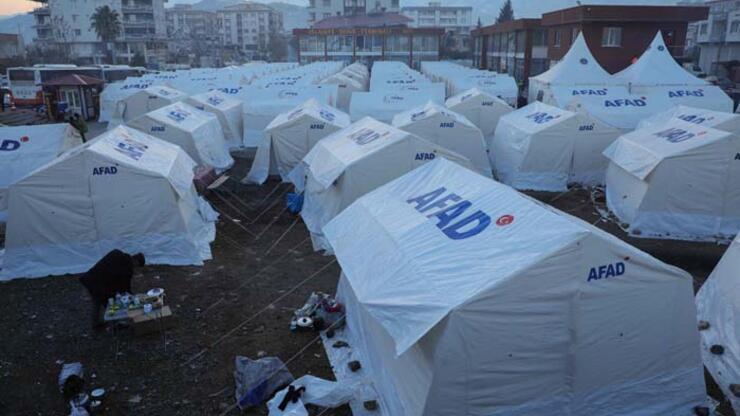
[192, 31]
[718, 39]
[67, 23]
[457, 22]
[247, 28]
[321, 9]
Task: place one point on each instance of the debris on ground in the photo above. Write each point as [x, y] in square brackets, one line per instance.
[319, 312]
[257, 380]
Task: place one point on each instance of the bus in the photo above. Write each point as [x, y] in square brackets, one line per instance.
[25, 82]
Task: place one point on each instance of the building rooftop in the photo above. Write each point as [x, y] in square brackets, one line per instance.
[604, 13]
[518, 24]
[366, 20]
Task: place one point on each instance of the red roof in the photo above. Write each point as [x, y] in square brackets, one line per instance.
[74, 80]
[365, 20]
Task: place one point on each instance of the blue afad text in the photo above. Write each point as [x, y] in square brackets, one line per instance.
[455, 216]
[606, 271]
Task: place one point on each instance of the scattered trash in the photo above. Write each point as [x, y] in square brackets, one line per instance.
[71, 380]
[135, 399]
[319, 312]
[257, 380]
[292, 396]
[294, 201]
[291, 408]
[310, 390]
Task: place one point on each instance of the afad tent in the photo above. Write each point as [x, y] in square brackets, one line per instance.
[384, 105]
[290, 136]
[657, 73]
[578, 68]
[461, 293]
[26, 148]
[124, 190]
[614, 105]
[197, 132]
[117, 91]
[346, 87]
[718, 304]
[715, 119]
[677, 181]
[544, 148]
[439, 125]
[142, 102]
[262, 105]
[355, 160]
[228, 111]
[480, 108]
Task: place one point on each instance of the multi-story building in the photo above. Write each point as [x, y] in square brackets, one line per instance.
[66, 23]
[517, 47]
[718, 39]
[617, 35]
[192, 31]
[368, 38]
[457, 21]
[321, 9]
[248, 27]
[11, 46]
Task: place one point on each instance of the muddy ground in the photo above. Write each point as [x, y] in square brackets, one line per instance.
[239, 303]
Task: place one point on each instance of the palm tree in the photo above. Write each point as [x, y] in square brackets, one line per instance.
[106, 23]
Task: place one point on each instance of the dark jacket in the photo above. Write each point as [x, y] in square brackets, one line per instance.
[111, 275]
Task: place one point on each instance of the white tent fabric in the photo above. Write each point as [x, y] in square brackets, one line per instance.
[384, 105]
[264, 104]
[439, 125]
[718, 303]
[578, 68]
[197, 132]
[26, 148]
[465, 297]
[117, 91]
[355, 160]
[677, 181]
[124, 190]
[541, 147]
[657, 73]
[290, 136]
[226, 109]
[142, 102]
[482, 109]
[346, 87]
[715, 119]
[460, 79]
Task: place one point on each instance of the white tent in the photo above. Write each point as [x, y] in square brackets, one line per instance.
[26, 148]
[142, 102]
[290, 136]
[384, 105]
[117, 91]
[262, 105]
[613, 105]
[355, 160]
[715, 119]
[197, 132]
[578, 68]
[465, 297]
[346, 87]
[541, 147]
[124, 190]
[677, 181]
[439, 125]
[718, 303]
[480, 108]
[227, 110]
[657, 72]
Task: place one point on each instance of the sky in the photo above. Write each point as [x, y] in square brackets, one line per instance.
[16, 6]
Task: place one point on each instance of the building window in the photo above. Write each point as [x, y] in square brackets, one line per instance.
[734, 26]
[612, 37]
[703, 29]
[556, 38]
[539, 37]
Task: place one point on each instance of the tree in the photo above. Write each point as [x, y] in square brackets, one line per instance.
[506, 14]
[107, 24]
[138, 60]
[480, 24]
[278, 48]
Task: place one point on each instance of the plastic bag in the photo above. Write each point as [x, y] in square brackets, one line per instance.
[292, 409]
[257, 380]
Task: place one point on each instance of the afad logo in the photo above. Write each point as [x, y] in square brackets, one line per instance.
[327, 115]
[693, 118]
[230, 91]
[425, 156]
[455, 216]
[626, 102]
[676, 135]
[418, 115]
[606, 271]
[136, 86]
[601, 92]
[685, 93]
[10, 145]
[215, 100]
[541, 117]
[287, 94]
[105, 170]
[393, 98]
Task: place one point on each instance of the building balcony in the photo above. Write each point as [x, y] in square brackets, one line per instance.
[138, 24]
[42, 11]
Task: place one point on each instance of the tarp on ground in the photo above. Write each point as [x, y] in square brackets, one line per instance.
[123, 190]
[676, 181]
[461, 293]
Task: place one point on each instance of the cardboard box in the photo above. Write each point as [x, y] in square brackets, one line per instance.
[154, 322]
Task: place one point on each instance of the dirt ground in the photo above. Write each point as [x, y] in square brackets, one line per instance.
[239, 303]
